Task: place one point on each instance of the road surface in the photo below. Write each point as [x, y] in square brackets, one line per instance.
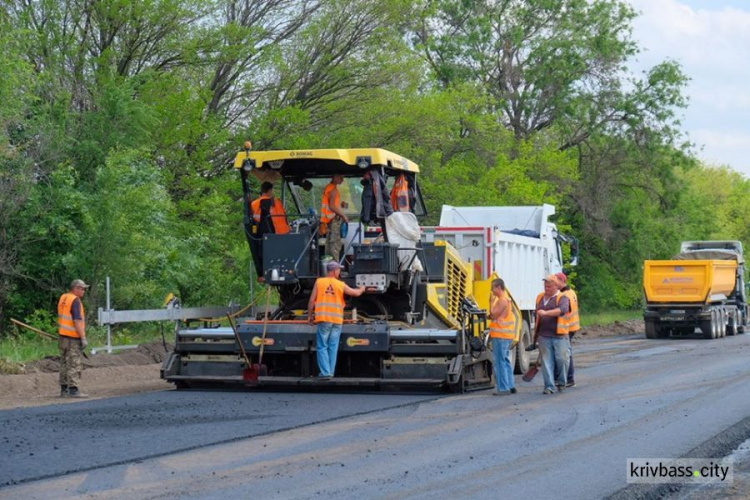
[636, 398]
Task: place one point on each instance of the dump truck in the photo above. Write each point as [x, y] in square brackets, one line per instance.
[701, 287]
[519, 243]
[422, 321]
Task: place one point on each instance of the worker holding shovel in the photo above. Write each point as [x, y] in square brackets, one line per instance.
[551, 311]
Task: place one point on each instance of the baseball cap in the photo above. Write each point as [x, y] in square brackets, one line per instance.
[562, 278]
[553, 278]
[332, 265]
[80, 283]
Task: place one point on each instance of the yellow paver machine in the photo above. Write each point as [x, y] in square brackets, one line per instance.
[422, 321]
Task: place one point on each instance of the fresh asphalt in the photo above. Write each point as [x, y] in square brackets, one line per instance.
[636, 398]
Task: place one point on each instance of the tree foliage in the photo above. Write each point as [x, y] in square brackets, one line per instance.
[118, 119]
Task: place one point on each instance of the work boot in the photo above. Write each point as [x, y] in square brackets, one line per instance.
[73, 392]
[64, 391]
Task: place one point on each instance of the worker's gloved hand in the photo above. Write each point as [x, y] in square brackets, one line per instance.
[84, 343]
[532, 347]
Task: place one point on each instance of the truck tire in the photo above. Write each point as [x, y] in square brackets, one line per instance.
[707, 327]
[722, 323]
[652, 331]
[523, 358]
[732, 324]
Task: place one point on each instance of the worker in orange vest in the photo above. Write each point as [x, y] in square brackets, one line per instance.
[502, 333]
[573, 320]
[269, 217]
[268, 212]
[400, 194]
[331, 217]
[326, 309]
[552, 309]
[71, 327]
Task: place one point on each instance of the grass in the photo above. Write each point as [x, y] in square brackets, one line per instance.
[609, 317]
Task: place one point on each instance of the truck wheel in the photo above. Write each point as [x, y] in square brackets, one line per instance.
[714, 324]
[722, 323]
[732, 324]
[652, 331]
[707, 327]
[523, 358]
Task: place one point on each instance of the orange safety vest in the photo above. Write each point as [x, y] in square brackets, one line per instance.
[329, 301]
[326, 214]
[65, 324]
[278, 214]
[400, 194]
[562, 321]
[574, 321]
[504, 328]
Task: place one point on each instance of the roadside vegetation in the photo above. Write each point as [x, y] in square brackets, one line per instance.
[118, 120]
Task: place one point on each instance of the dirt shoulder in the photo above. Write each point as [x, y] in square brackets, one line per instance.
[105, 375]
[137, 370]
[629, 327]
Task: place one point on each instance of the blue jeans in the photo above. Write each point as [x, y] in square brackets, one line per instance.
[571, 368]
[503, 370]
[555, 359]
[328, 347]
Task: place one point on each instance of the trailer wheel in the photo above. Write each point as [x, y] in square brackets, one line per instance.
[732, 324]
[716, 318]
[652, 331]
[707, 329]
[523, 358]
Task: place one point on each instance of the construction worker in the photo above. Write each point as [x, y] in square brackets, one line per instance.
[502, 333]
[551, 310]
[71, 321]
[400, 194]
[331, 217]
[268, 212]
[326, 309]
[573, 320]
[269, 217]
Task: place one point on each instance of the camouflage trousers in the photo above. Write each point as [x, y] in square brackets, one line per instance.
[71, 361]
[333, 239]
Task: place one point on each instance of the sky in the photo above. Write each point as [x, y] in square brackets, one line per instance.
[711, 40]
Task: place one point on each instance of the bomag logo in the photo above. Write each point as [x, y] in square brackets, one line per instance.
[257, 341]
[668, 281]
[300, 153]
[353, 342]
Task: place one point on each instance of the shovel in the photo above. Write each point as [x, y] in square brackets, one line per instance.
[531, 372]
[250, 373]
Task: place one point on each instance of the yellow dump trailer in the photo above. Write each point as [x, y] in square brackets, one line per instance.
[667, 281]
[702, 287]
